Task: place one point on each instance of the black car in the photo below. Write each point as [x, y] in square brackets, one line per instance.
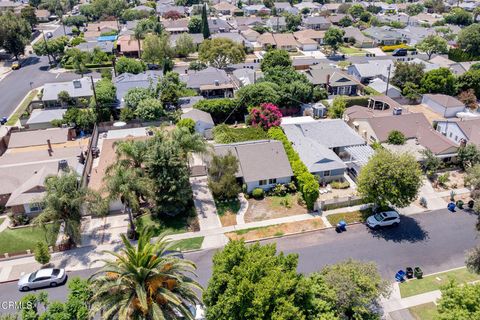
[400, 52]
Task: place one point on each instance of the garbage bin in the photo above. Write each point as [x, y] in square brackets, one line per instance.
[451, 207]
[418, 273]
[400, 276]
[343, 225]
[409, 272]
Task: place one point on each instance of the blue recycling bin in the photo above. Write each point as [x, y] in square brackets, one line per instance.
[342, 225]
[3, 120]
[400, 276]
[451, 207]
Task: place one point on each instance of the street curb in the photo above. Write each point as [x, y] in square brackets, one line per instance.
[14, 280]
[21, 102]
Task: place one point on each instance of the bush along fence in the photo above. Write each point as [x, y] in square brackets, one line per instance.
[307, 183]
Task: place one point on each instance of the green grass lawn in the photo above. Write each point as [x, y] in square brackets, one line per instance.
[19, 240]
[189, 244]
[244, 231]
[434, 282]
[14, 118]
[351, 50]
[223, 207]
[172, 225]
[349, 217]
[427, 311]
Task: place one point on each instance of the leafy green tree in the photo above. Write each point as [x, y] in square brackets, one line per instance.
[34, 3]
[132, 15]
[338, 107]
[108, 8]
[407, 72]
[222, 110]
[205, 28]
[63, 202]
[184, 45]
[187, 123]
[195, 25]
[470, 80]
[144, 282]
[459, 301]
[220, 52]
[356, 10]
[127, 114]
[149, 109]
[431, 163]
[439, 80]
[255, 94]
[432, 44]
[129, 65]
[53, 47]
[222, 178]
[411, 91]
[28, 13]
[156, 49]
[106, 94]
[77, 21]
[468, 156]
[170, 89]
[459, 17]
[197, 66]
[469, 39]
[293, 21]
[414, 9]
[436, 5]
[135, 95]
[334, 38]
[345, 22]
[274, 58]
[390, 179]
[42, 255]
[81, 118]
[396, 137]
[14, 33]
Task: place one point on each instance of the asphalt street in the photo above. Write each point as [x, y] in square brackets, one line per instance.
[435, 241]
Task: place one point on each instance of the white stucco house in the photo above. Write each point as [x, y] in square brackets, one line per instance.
[444, 105]
[203, 120]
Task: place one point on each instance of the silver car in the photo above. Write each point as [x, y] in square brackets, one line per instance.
[42, 278]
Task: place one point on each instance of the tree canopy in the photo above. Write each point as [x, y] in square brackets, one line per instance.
[432, 44]
[469, 39]
[407, 72]
[222, 178]
[129, 65]
[220, 52]
[274, 58]
[439, 80]
[459, 301]
[334, 38]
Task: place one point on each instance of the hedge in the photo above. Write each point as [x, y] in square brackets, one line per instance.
[307, 182]
[89, 65]
[220, 109]
[225, 134]
[356, 101]
[458, 55]
[398, 46]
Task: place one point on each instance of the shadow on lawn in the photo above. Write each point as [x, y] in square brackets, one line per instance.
[409, 230]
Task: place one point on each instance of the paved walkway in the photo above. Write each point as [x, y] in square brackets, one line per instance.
[243, 209]
[204, 204]
[5, 223]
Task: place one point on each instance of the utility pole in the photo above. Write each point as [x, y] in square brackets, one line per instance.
[46, 48]
[94, 92]
[388, 79]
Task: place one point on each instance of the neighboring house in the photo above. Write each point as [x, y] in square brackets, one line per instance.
[316, 23]
[334, 80]
[42, 118]
[261, 164]
[386, 8]
[164, 8]
[445, 105]
[250, 34]
[216, 25]
[127, 81]
[336, 18]
[366, 72]
[381, 87]
[307, 44]
[331, 7]
[16, 7]
[327, 147]
[234, 36]
[313, 7]
[285, 7]
[210, 82]
[304, 63]
[94, 30]
[375, 126]
[203, 121]
[414, 35]
[361, 41]
[246, 76]
[196, 37]
[428, 18]
[42, 15]
[187, 103]
[277, 24]
[461, 131]
[128, 46]
[242, 23]
[225, 8]
[256, 9]
[384, 35]
[176, 26]
[76, 89]
[104, 46]
[143, 8]
[310, 34]
[284, 41]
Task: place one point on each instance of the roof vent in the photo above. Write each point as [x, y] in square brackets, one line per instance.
[77, 84]
[217, 83]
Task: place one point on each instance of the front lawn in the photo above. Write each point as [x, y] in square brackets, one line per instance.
[188, 244]
[227, 211]
[173, 225]
[273, 207]
[434, 282]
[349, 217]
[351, 50]
[22, 108]
[427, 311]
[22, 239]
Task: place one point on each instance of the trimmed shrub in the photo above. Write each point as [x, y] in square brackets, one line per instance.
[220, 109]
[187, 123]
[279, 190]
[225, 134]
[258, 193]
[340, 184]
[395, 137]
[42, 255]
[458, 55]
[398, 46]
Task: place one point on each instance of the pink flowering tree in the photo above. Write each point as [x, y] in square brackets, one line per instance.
[265, 116]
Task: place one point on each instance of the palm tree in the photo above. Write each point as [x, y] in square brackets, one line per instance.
[144, 282]
[63, 202]
[139, 33]
[131, 153]
[127, 184]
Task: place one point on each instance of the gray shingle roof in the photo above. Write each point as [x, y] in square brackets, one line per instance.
[196, 79]
[45, 115]
[127, 81]
[83, 89]
[38, 137]
[198, 115]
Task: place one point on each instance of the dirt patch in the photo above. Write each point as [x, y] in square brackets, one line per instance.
[277, 230]
[274, 207]
[465, 197]
[228, 219]
[455, 181]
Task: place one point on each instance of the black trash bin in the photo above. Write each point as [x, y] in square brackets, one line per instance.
[409, 272]
[418, 273]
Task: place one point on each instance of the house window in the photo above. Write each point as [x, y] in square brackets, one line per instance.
[450, 135]
[262, 182]
[326, 173]
[35, 207]
[272, 181]
[456, 137]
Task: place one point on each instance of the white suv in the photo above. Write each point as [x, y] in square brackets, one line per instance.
[383, 219]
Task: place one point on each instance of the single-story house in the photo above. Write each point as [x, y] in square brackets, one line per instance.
[218, 25]
[104, 46]
[94, 30]
[304, 63]
[127, 81]
[311, 6]
[334, 80]
[255, 166]
[234, 36]
[176, 26]
[461, 131]
[307, 44]
[42, 118]
[209, 82]
[256, 9]
[225, 8]
[445, 105]
[164, 8]
[361, 41]
[285, 7]
[76, 89]
[277, 24]
[203, 121]
[42, 15]
[196, 37]
[366, 72]
[187, 103]
[381, 86]
[250, 34]
[316, 23]
[384, 35]
[127, 45]
[284, 41]
[310, 34]
[331, 7]
[327, 147]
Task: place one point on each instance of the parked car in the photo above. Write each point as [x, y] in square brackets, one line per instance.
[42, 278]
[400, 52]
[16, 65]
[383, 219]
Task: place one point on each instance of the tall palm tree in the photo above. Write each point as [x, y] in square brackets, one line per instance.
[131, 153]
[144, 282]
[127, 184]
[139, 33]
[63, 202]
